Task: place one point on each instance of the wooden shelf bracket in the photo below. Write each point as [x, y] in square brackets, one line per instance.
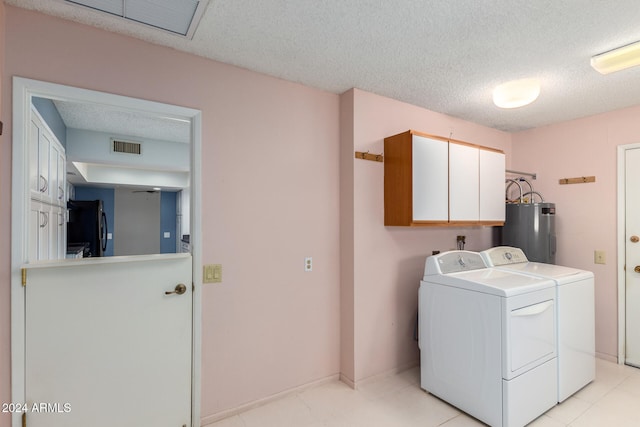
[578, 180]
[367, 156]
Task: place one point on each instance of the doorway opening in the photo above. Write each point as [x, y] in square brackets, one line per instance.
[25, 196]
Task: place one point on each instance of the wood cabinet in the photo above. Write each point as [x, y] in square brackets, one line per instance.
[434, 181]
[48, 188]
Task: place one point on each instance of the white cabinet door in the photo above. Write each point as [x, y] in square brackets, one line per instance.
[464, 191]
[57, 233]
[57, 173]
[47, 182]
[47, 163]
[39, 231]
[44, 148]
[430, 179]
[34, 230]
[492, 170]
[34, 157]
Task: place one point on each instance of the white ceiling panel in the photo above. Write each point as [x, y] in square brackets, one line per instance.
[176, 16]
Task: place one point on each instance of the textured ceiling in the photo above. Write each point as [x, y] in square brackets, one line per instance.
[442, 55]
[100, 118]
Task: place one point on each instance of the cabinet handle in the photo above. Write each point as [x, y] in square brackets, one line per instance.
[45, 184]
[61, 217]
[60, 193]
[45, 219]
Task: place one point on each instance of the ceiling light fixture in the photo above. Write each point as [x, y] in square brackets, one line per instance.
[516, 93]
[617, 59]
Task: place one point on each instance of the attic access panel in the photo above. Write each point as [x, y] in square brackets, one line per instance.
[176, 16]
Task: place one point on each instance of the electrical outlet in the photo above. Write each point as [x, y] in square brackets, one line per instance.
[308, 264]
[599, 257]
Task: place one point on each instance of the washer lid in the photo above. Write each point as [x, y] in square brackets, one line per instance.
[492, 281]
[558, 272]
[514, 259]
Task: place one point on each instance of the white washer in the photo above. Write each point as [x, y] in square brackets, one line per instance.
[487, 339]
[575, 313]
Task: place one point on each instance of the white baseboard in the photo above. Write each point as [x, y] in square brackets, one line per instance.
[210, 419]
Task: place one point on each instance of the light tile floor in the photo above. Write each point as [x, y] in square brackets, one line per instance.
[613, 399]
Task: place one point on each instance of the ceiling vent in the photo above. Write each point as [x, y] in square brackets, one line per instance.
[176, 16]
[126, 147]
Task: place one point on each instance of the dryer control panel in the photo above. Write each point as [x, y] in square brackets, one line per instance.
[453, 262]
[504, 255]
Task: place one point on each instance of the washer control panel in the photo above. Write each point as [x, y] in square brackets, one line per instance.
[453, 262]
[505, 255]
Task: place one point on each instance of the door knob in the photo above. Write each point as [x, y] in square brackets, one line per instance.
[181, 288]
[637, 269]
[634, 239]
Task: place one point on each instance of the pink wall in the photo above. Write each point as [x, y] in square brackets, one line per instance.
[389, 261]
[5, 230]
[586, 213]
[270, 198]
[281, 183]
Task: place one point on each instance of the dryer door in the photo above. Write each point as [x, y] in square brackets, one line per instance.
[530, 331]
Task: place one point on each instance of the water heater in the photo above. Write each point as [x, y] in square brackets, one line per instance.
[531, 227]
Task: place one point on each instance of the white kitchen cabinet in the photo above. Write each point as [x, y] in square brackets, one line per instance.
[464, 191]
[492, 198]
[57, 174]
[48, 188]
[39, 146]
[416, 188]
[57, 232]
[39, 231]
[433, 181]
[429, 178]
[47, 163]
[47, 231]
[34, 157]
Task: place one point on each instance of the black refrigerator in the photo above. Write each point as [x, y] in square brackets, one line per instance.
[87, 227]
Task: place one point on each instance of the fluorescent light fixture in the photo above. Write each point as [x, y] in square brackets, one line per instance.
[617, 59]
[516, 93]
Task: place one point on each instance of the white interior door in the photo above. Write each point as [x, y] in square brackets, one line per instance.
[106, 346]
[632, 256]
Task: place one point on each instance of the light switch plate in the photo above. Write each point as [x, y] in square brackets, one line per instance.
[212, 273]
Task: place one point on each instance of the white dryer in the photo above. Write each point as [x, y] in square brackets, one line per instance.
[487, 339]
[575, 313]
